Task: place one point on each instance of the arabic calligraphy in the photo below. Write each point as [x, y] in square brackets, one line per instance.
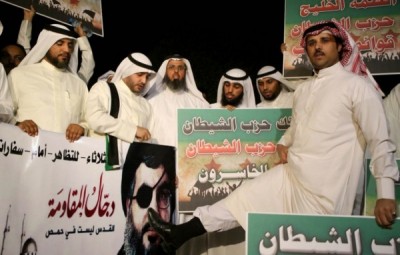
[326, 6]
[212, 176]
[11, 148]
[80, 201]
[363, 4]
[253, 126]
[201, 147]
[364, 43]
[79, 230]
[289, 242]
[339, 5]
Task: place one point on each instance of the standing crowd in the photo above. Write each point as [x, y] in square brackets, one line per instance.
[337, 114]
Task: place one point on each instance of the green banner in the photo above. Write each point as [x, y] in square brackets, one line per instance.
[219, 149]
[373, 24]
[305, 234]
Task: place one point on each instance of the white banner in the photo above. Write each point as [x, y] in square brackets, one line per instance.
[58, 194]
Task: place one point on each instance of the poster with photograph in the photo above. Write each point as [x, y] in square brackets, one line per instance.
[57, 196]
[218, 150]
[88, 12]
[373, 24]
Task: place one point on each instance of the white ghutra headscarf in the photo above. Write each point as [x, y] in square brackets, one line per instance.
[158, 86]
[47, 37]
[135, 63]
[240, 76]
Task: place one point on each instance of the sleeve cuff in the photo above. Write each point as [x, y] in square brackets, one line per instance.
[385, 188]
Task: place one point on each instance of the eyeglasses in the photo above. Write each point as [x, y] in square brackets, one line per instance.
[179, 68]
[145, 195]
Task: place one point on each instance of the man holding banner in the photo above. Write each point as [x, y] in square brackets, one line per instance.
[46, 90]
[336, 114]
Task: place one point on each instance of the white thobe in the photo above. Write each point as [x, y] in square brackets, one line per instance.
[134, 112]
[335, 115]
[283, 100]
[53, 98]
[165, 106]
[6, 105]
[391, 104]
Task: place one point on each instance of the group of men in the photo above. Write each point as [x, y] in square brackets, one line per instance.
[47, 93]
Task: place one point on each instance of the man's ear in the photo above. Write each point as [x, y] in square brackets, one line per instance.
[340, 47]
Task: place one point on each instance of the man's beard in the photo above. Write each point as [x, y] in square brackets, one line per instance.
[55, 62]
[175, 85]
[274, 95]
[133, 241]
[234, 102]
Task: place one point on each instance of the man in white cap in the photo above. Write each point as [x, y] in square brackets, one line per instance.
[235, 90]
[134, 119]
[337, 115]
[174, 88]
[46, 90]
[274, 90]
[6, 105]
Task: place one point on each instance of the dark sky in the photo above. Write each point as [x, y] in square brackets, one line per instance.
[214, 39]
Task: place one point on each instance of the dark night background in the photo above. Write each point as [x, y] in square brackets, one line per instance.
[213, 40]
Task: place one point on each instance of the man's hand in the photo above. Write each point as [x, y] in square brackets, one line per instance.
[142, 134]
[29, 14]
[29, 127]
[282, 153]
[385, 212]
[74, 132]
[79, 30]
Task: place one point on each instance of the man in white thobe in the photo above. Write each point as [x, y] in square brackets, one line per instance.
[135, 117]
[336, 114]
[274, 90]
[174, 88]
[47, 93]
[235, 90]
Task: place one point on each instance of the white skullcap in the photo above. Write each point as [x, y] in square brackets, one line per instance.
[270, 71]
[158, 85]
[240, 76]
[47, 38]
[135, 63]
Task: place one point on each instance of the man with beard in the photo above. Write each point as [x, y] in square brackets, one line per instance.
[235, 90]
[134, 119]
[174, 88]
[13, 53]
[274, 90]
[46, 90]
[338, 114]
[148, 181]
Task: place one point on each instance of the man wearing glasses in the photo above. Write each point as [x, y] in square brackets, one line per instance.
[148, 181]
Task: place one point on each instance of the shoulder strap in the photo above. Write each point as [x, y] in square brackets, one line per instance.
[114, 100]
[112, 159]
